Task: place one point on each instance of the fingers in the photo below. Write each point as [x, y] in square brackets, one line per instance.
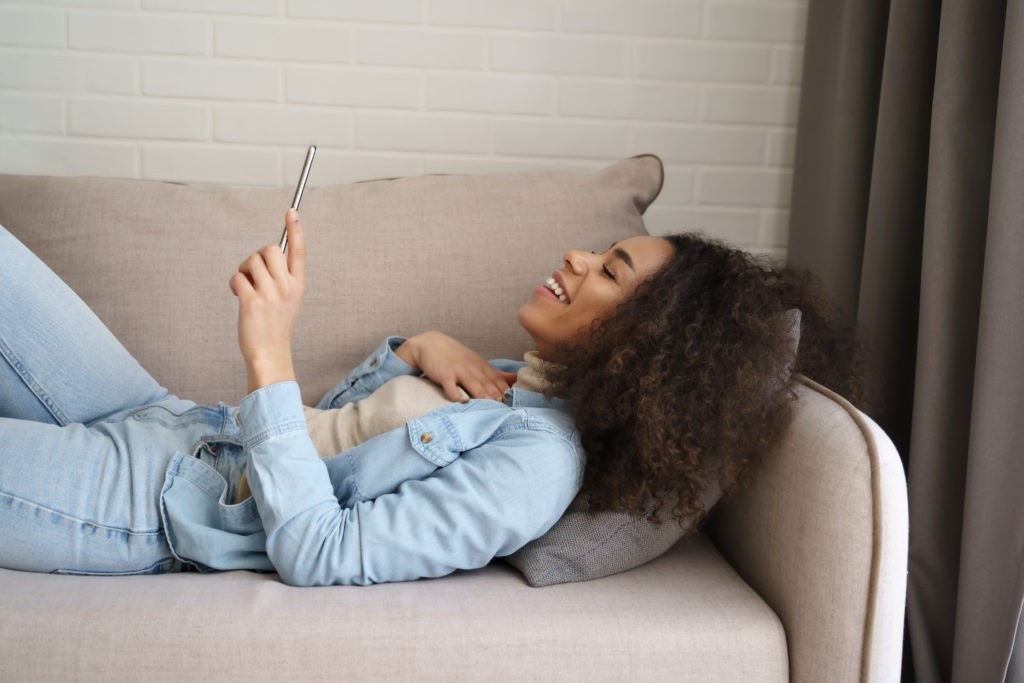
[452, 390]
[466, 383]
[487, 384]
[269, 266]
[240, 284]
[457, 369]
[500, 387]
[296, 245]
[273, 262]
[257, 269]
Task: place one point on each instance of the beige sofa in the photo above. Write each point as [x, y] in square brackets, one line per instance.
[801, 577]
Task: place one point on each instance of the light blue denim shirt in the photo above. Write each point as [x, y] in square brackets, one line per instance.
[450, 490]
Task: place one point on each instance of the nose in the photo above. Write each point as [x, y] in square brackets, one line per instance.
[576, 260]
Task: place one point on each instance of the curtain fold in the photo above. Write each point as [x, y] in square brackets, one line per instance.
[909, 204]
[993, 513]
[956, 214]
[890, 269]
[835, 137]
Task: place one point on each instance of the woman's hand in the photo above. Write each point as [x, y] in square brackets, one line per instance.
[453, 365]
[269, 288]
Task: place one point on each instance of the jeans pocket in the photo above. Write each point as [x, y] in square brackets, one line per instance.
[173, 416]
[225, 455]
[163, 566]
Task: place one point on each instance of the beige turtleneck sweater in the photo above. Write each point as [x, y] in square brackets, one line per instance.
[397, 401]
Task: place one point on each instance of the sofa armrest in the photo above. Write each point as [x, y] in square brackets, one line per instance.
[821, 533]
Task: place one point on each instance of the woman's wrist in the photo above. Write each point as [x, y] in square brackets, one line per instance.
[406, 352]
[262, 372]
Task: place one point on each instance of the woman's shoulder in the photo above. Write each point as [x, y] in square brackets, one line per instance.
[520, 410]
[536, 439]
[496, 437]
[522, 416]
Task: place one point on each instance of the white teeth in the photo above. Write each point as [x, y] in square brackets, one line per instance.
[554, 287]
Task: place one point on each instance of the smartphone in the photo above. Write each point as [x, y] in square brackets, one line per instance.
[298, 191]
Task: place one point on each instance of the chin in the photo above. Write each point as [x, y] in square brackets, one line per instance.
[523, 317]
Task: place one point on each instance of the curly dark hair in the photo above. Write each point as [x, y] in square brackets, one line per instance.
[684, 383]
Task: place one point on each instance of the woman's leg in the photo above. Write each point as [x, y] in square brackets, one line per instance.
[58, 362]
[76, 499]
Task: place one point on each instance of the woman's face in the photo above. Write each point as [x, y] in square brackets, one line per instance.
[588, 287]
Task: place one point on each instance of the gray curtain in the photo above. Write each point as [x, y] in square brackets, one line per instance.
[908, 199]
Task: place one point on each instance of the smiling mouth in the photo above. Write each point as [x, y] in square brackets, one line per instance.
[557, 290]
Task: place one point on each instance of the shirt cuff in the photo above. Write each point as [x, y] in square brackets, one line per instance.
[271, 411]
[387, 363]
[382, 365]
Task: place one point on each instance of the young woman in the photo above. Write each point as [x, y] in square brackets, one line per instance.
[655, 359]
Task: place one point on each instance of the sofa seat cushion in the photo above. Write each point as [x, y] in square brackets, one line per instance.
[687, 616]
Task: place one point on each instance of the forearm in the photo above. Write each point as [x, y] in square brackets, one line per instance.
[400, 506]
[270, 286]
[282, 465]
[380, 366]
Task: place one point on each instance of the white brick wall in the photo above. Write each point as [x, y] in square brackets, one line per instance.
[231, 91]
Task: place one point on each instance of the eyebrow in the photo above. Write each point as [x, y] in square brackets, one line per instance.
[621, 253]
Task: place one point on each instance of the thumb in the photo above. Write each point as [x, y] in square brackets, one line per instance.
[296, 245]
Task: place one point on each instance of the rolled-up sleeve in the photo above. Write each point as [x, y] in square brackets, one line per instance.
[379, 367]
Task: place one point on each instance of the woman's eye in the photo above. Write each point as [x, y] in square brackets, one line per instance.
[607, 272]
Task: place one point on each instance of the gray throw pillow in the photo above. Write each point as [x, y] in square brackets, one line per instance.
[585, 545]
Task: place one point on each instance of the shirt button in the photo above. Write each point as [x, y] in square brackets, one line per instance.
[373, 363]
[507, 399]
[426, 437]
[238, 420]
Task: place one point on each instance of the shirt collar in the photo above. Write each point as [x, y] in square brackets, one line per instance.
[528, 389]
[521, 398]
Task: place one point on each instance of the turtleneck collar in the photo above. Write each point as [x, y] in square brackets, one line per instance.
[533, 375]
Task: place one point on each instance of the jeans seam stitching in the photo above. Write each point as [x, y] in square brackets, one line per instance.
[31, 384]
[72, 518]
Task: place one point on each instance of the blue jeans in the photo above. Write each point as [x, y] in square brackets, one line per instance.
[86, 433]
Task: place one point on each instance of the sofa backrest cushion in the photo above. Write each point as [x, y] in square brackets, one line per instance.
[397, 256]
